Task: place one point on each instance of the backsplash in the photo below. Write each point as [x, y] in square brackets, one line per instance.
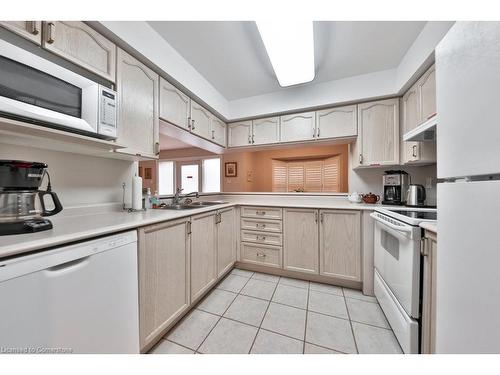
[79, 180]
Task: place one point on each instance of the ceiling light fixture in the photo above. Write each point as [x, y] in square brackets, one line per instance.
[290, 46]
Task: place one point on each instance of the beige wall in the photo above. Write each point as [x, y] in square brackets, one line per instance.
[259, 165]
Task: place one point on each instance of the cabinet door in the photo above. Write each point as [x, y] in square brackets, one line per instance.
[163, 277]
[427, 92]
[337, 122]
[226, 243]
[200, 120]
[31, 30]
[410, 116]
[239, 134]
[301, 240]
[138, 107]
[174, 105]
[298, 127]
[218, 131]
[203, 254]
[266, 131]
[82, 45]
[340, 244]
[378, 132]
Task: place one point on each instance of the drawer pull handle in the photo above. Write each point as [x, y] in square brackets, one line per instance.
[260, 225]
[261, 238]
[260, 212]
[260, 255]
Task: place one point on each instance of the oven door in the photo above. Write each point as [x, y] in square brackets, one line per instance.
[397, 260]
[37, 90]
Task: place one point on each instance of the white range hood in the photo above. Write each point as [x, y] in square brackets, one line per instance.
[423, 133]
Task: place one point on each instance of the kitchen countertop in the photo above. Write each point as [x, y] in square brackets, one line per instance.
[430, 226]
[84, 224]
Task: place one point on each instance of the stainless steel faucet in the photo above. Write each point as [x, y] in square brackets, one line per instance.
[177, 197]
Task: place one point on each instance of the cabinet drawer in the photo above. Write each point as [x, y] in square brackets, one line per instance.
[261, 237]
[261, 254]
[262, 212]
[262, 225]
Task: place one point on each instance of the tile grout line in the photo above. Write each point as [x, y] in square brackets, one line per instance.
[264, 316]
[350, 323]
[220, 317]
[307, 313]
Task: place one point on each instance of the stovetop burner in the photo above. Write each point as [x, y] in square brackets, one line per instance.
[427, 215]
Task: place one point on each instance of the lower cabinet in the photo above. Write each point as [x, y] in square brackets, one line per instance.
[340, 247]
[429, 259]
[300, 232]
[164, 277]
[226, 242]
[203, 253]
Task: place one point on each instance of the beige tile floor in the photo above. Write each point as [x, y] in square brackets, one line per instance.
[258, 313]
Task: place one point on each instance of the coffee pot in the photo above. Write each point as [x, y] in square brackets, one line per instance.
[22, 203]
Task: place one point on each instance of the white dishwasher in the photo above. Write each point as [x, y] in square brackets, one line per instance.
[81, 298]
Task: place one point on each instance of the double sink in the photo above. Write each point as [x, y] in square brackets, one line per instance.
[190, 206]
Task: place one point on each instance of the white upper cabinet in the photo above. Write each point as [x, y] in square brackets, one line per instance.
[378, 133]
[200, 120]
[137, 87]
[410, 119]
[337, 122]
[82, 45]
[266, 131]
[218, 131]
[240, 134]
[174, 105]
[31, 30]
[427, 93]
[298, 127]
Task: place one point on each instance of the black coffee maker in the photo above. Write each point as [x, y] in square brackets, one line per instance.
[22, 204]
[395, 186]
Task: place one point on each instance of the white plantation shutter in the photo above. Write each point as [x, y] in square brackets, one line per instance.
[331, 174]
[313, 181]
[295, 176]
[280, 176]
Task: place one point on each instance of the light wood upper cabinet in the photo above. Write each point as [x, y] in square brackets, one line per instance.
[298, 127]
[200, 120]
[426, 86]
[174, 105]
[417, 104]
[378, 133]
[203, 254]
[266, 131]
[240, 134]
[31, 30]
[337, 122]
[339, 241]
[300, 248]
[82, 45]
[163, 277]
[137, 87]
[226, 245]
[218, 131]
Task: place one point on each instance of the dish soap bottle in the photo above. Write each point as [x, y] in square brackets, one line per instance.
[148, 199]
[155, 200]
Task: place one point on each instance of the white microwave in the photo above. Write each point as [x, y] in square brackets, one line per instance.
[36, 90]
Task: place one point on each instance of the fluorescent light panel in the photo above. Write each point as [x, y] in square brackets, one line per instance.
[290, 46]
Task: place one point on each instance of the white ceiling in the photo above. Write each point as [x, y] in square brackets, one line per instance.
[232, 57]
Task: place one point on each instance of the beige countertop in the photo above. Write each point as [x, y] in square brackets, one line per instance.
[80, 224]
[430, 226]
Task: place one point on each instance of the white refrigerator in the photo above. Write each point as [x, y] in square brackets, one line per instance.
[468, 194]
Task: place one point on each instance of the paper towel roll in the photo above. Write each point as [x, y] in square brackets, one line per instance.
[137, 193]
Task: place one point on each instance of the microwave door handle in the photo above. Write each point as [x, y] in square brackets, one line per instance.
[406, 229]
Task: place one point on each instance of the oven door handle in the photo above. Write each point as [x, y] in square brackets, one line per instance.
[398, 228]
